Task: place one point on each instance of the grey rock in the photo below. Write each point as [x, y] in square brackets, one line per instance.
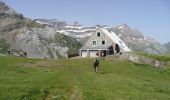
[37, 40]
[144, 60]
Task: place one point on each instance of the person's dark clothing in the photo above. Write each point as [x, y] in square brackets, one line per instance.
[117, 48]
[96, 65]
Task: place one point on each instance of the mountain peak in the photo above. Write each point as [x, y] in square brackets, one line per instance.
[6, 9]
[123, 26]
[3, 6]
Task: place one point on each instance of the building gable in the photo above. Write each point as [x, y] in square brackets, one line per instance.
[103, 38]
[98, 38]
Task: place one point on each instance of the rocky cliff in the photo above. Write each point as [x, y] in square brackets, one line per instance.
[135, 39]
[52, 38]
[167, 46]
[19, 35]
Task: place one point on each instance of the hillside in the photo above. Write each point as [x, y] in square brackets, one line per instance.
[167, 45]
[45, 38]
[75, 30]
[75, 79]
[135, 39]
[19, 35]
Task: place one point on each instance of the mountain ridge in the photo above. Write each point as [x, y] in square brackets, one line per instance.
[167, 46]
[52, 38]
[132, 37]
[37, 40]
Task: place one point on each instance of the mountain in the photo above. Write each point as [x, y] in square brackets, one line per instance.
[75, 30]
[19, 35]
[167, 46]
[135, 39]
[52, 38]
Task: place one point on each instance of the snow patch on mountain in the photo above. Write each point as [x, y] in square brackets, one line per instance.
[133, 37]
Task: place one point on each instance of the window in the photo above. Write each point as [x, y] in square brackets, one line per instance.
[120, 42]
[103, 42]
[98, 34]
[94, 42]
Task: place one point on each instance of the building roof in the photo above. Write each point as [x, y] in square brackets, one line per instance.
[115, 39]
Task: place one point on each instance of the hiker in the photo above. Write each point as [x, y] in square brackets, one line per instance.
[25, 54]
[96, 64]
[117, 49]
[9, 52]
[110, 50]
[97, 53]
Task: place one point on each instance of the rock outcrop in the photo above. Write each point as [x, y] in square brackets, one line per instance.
[37, 40]
[144, 60]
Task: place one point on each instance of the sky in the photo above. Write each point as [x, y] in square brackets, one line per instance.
[152, 17]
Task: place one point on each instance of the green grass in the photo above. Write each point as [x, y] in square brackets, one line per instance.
[75, 79]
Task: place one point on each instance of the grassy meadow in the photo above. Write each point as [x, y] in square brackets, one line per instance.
[75, 79]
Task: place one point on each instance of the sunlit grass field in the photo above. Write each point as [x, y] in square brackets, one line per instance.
[75, 79]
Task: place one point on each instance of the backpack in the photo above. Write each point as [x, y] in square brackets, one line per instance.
[96, 63]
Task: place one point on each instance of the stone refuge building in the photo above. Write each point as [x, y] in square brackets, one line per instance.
[102, 41]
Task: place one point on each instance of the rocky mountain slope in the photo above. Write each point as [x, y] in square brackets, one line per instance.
[20, 35]
[75, 30]
[135, 39]
[54, 38]
[167, 46]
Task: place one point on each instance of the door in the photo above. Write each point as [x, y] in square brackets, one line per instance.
[83, 53]
[93, 53]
